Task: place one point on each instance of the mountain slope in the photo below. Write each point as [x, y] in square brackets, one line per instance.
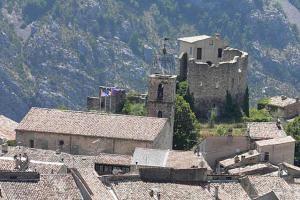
[56, 53]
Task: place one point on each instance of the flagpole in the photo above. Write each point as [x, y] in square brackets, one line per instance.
[110, 100]
[100, 99]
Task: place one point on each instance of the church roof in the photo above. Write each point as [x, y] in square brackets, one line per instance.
[68, 122]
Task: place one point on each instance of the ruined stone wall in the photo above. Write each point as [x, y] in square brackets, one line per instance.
[209, 84]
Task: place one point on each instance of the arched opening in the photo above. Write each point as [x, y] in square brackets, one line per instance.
[159, 114]
[160, 92]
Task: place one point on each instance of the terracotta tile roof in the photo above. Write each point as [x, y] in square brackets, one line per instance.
[230, 161]
[136, 190]
[266, 184]
[265, 130]
[233, 191]
[92, 124]
[280, 101]
[84, 165]
[167, 158]
[49, 187]
[7, 128]
[260, 168]
[185, 160]
[275, 141]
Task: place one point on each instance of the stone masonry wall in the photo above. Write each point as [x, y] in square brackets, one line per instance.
[209, 84]
[83, 145]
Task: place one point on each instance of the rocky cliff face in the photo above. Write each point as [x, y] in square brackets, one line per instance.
[62, 53]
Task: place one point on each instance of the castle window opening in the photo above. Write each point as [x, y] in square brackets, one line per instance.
[31, 143]
[191, 50]
[160, 92]
[61, 142]
[199, 53]
[159, 114]
[220, 51]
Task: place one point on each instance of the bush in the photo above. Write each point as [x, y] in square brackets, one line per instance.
[258, 116]
[137, 109]
[222, 130]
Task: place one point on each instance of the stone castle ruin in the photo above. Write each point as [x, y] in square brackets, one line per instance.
[212, 69]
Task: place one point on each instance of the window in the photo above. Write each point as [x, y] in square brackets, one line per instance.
[159, 114]
[160, 92]
[31, 143]
[211, 42]
[267, 156]
[217, 85]
[220, 51]
[61, 142]
[191, 50]
[199, 53]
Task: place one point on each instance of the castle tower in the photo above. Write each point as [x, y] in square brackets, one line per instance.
[212, 70]
[162, 96]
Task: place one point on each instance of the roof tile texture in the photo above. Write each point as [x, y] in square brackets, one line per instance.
[92, 124]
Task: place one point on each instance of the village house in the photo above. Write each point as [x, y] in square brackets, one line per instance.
[90, 133]
[277, 150]
[282, 107]
[7, 129]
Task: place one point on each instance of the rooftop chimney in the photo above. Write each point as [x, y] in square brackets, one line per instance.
[217, 192]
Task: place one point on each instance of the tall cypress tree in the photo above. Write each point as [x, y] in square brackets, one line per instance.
[246, 102]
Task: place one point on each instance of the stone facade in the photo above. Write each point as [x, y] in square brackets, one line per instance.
[277, 150]
[110, 104]
[162, 96]
[87, 145]
[212, 71]
[91, 133]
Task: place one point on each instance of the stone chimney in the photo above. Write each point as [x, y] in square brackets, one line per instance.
[217, 193]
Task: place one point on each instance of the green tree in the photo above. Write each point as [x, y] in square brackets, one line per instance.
[186, 126]
[137, 109]
[184, 91]
[232, 110]
[293, 129]
[246, 102]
